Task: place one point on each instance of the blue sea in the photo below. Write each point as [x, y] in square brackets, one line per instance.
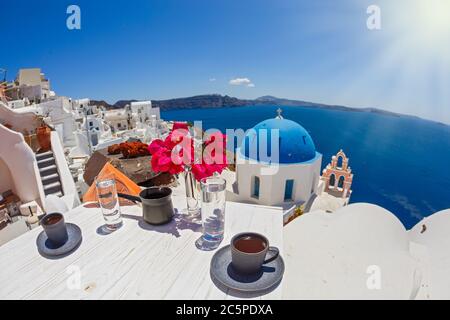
[399, 163]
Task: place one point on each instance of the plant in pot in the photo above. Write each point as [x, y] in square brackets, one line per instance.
[43, 136]
[195, 158]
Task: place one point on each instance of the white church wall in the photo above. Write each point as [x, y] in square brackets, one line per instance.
[339, 255]
[247, 173]
[20, 121]
[59, 112]
[6, 180]
[433, 233]
[272, 186]
[305, 182]
[21, 162]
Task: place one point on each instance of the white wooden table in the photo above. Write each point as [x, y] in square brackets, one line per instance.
[138, 261]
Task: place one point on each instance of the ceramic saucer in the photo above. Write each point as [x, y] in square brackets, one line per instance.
[266, 279]
[47, 248]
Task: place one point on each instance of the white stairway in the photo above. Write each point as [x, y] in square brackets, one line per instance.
[49, 174]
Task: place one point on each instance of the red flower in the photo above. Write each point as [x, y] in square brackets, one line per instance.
[156, 145]
[180, 125]
[170, 155]
[200, 171]
[162, 162]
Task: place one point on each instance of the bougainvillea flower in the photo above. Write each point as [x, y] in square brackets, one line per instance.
[162, 162]
[176, 153]
[180, 125]
[156, 146]
[175, 137]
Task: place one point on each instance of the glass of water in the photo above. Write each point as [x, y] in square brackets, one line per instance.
[109, 202]
[213, 213]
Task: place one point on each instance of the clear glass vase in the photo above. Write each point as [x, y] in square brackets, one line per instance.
[192, 194]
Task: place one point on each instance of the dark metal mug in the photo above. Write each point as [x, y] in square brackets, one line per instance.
[251, 261]
[55, 228]
[157, 207]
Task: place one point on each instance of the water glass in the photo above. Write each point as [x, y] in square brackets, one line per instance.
[109, 202]
[213, 212]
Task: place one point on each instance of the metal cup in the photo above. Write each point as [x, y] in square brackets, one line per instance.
[157, 207]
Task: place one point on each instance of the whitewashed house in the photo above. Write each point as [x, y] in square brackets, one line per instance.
[32, 84]
[143, 111]
[82, 107]
[58, 113]
[118, 119]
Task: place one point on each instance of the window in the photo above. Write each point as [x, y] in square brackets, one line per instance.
[119, 125]
[288, 189]
[340, 162]
[341, 182]
[332, 181]
[256, 184]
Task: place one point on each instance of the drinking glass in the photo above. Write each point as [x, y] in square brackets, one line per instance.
[212, 212]
[109, 202]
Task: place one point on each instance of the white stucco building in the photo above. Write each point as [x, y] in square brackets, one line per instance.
[143, 111]
[82, 107]
[31, 84]
[58, 111]
[16, 104]
[118, 119]
[131, 117]
[277, 164]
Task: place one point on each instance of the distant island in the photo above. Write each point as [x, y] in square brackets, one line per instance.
[220, 101]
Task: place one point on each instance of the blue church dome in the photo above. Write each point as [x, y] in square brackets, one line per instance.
[295, 143]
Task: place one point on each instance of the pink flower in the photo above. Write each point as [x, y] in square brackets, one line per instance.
[204, 170]
[156, 145]
[177, 151]
[180, 125]
[200, 171]
[175, 137]
[162, 162]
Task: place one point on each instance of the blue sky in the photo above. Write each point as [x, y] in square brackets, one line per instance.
[318, 51]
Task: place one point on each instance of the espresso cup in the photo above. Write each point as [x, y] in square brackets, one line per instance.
[249, 251]
[55, 228]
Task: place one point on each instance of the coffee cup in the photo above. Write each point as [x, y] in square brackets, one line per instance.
[249, 251]
[55, 228]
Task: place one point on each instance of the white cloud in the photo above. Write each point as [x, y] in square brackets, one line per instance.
[242, 82]
[212, 79]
